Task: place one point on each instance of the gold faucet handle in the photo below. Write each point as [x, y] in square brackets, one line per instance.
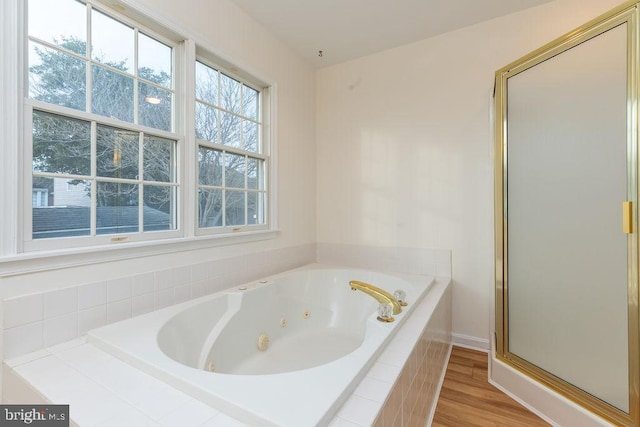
[384, 312]
[401, 297]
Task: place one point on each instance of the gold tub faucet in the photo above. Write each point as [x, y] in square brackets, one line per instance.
[382, 296]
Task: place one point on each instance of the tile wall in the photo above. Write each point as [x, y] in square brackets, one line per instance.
[402, 387]
[431, 262]
[35, 321]
[413, 399]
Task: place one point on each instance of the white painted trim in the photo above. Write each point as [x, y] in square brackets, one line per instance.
[473, 343]
[11, 55]
[60, 258]
[542, 401]
[188, 154]
[270, 121]
[432, 413]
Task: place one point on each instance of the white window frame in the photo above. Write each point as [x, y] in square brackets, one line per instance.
[15, 165]
[31, 244]
[31, 105]
[262, 154]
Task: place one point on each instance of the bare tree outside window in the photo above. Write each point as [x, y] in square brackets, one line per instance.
[62, 145]
[231, 181]
[104, 149]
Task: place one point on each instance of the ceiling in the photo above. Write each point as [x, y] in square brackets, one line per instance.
[348, 29]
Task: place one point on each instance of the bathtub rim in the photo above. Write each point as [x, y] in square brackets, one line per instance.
[190, 380]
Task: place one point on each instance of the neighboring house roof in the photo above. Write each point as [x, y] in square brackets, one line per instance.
[67, 221]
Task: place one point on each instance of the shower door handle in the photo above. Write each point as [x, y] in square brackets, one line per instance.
[627, 217]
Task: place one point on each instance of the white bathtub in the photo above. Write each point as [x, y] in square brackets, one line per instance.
[322, 338]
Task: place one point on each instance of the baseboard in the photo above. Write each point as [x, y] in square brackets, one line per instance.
[432, 413]
[542, 401]
[523, 403]
[473, 343]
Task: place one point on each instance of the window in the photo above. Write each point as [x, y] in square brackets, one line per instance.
[231, 158]
[121, 73]
[103, 147]
[110, 152]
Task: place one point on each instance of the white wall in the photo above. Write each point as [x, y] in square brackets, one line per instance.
[404, 146]
[231, 34]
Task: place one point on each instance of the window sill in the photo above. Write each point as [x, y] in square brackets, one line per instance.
[15, 265]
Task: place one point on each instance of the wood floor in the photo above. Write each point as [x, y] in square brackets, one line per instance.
[467, 398]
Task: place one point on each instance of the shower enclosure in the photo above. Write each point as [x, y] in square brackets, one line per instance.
[567, 218]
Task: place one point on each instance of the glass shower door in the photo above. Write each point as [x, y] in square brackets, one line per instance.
[568, 164]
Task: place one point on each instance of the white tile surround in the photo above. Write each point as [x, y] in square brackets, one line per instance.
[409, 371]
[400, 389]
[35, 321]
[431, 262]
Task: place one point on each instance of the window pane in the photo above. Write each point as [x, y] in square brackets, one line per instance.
[255, 208]
[112, 94]
[210, 208]
[250, 135]
[206, 122]
[117, 208]
[234, 170]
[210, 167]
[230, 94]
[206, 84]
[154, 61]
[255, 174]
[250, 102]
[57, 78]
[109, 185]
[154, 107]
[112, 42]
[117, 153]
[61, 145]
[230, 130]
[234, 208]
[159, 205]
[61, 208]
[158, 155]
[63, 23]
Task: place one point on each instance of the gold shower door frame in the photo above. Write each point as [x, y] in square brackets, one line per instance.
[627, 13]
